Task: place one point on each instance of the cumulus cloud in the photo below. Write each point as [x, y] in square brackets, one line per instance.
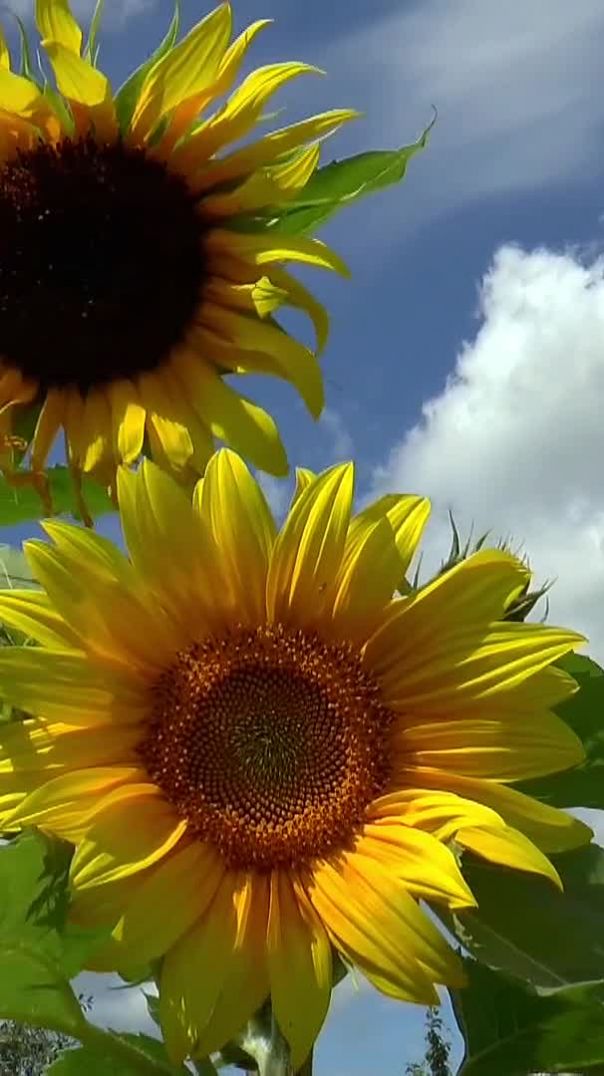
[514, 442]
[116, 11]
[514, 89]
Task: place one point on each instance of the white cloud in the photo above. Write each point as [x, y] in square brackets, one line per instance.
[515, 85]
[515, 440]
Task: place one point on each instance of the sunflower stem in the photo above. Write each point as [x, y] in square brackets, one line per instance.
[264, 1041]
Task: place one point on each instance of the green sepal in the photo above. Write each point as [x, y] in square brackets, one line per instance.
[127, 96]
[335, 186]
[91, 50]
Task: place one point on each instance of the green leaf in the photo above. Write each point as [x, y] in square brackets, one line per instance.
[137, 1054]
[337, 185]
[583, 712]
[526, 927]
[22, 504]
[34, 883]
[510, 1029]
[127, 96]
[33, 991]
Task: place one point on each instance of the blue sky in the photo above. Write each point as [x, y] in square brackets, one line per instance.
[467, 353]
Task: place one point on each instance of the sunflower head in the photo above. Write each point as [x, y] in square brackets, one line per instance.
[251, 726]
[133, 273]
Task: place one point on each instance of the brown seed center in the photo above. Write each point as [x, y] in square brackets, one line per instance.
[270, 743]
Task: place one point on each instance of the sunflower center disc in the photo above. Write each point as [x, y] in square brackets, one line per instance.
[270, 743]
[100, 263]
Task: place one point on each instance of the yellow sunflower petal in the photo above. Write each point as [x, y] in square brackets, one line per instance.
[166, 418]
[125, 838]
[20, 96]
[38, 747]
[49, 422]
[426, 866]
[366, 580]
[258, 249]
[86, 88]
[96, 423]
[304, 477]
[407, 515]
[184, 71]
[185, 113]
[301, 298]
[509, 848]
[232, 418]
[289, 359]
[309, 548]
[501, 751]
[269, 148]
[98, 599]
[374, 921]
[127, 420]
[4, 52]
[235, 509]
[215, 977]
[59, 683]
[299, 964]
[63, 804]
[244, 107]
[185, 881]
[268, 187]
[32, 613]
[56, 23]
[550, 829]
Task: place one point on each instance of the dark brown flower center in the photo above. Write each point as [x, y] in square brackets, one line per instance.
[101, 266]
[270, 743]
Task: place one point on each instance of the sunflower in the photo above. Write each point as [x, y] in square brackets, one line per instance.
[130, 279]
[250, 728]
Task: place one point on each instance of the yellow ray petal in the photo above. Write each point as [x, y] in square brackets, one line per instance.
[301, 298]
[63, 804]
[269, 148]
[259, 249]
[231, 417]
[59, 683]
[166, 418]
[86, 88]
[20, 96]
[407, 515]
[509, 848]
[124, 839]
[235, 509]
[243, 109]
[442, 814]
[36, 746]
[185, 113]
[56, 23]
[366, 580]
[289, 359]
[426, 866]
[128, 421]
[309, 549]
[495, 750]
[49, 422]
[550, 829]
[96, 421]
[186, 70]
[304, 478]
[185, 881]
[4, 52]
[31, 613]
[94, 588]
[300, 966]
[215, 977]
[267, 187]
[374, 921]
